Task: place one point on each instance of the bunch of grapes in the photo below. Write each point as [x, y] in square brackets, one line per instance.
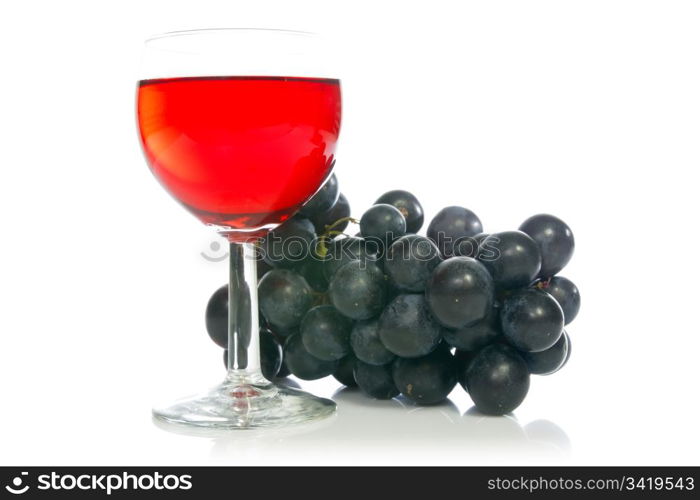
[393, 312]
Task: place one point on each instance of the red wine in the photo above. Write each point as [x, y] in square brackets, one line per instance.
[240, 152]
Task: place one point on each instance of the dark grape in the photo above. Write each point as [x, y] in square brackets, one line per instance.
[406, 328]
[289, 244]
[497, 379]
[452, 224]
[284, 297]
[459, 292]
[216, 317]
[358, 290]
[408, 205]
[469, 247]
[344, 250]
[428, 379]
[477, 335]
[340, 210]
[366, 344]
[324, 199]
[555, 240]
[383, 224]
[326, 333]
[532, 320]
[304, 365]
[375, 381]
[565, 293]
[345, 371]
[410, 260]
[512, 258]
[548, 361]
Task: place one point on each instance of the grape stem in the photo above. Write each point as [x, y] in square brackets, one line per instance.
[321, 248]
[544, 284]
[338, 222]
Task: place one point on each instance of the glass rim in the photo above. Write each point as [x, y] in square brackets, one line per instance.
[206, 31]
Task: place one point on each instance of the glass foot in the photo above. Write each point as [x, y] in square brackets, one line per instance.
[239, 404]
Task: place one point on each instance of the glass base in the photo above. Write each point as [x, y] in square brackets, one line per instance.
[247, 403]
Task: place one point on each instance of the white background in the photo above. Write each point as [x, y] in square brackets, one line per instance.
[589, 110]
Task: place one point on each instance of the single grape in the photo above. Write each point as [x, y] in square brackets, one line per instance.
[469, 247]
[326, 333]
[323, 200]
[410, 260]
[304, 365]
[366, 344]
[340, 210]
[555, 240]
[477, 335]
[548, 361]
[450, 226]
[345, 371]
[565, 293]
[497, 379]
[532, 320]
[289, 244]
[383, 224]
[358, 290]
[408, 205]
[216, 317]
[270, 354]
[428, 379]
[284, 297]
[375, 381]
[512, 258]
[343, 250]
[459, 292]
[406, 327]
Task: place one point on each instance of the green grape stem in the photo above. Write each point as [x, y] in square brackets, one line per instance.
[321, 248]
[329, 227]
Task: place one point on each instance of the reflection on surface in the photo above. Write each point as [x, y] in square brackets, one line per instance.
[366, 431]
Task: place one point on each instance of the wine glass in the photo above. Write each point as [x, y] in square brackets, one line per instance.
[240, 126]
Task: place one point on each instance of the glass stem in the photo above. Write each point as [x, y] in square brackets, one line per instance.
[243, 335]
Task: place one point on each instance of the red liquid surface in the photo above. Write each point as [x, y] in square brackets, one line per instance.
[240, 152]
